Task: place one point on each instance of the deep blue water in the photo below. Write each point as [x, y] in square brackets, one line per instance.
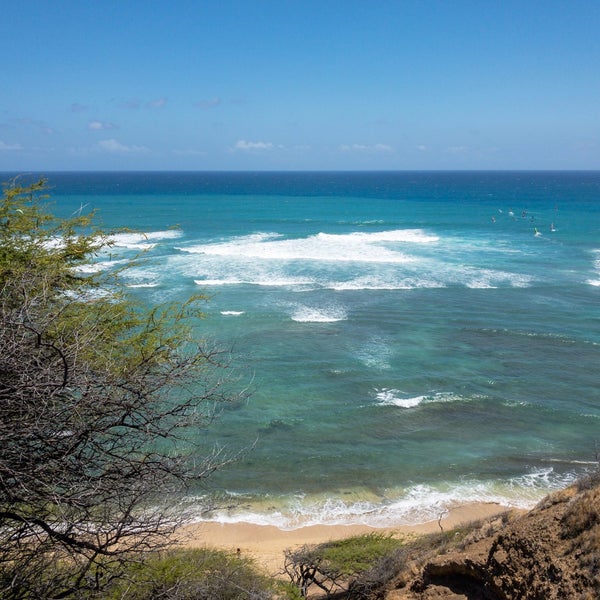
[411, 341]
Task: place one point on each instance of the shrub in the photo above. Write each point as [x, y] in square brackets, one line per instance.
[583, 513]
[193, 574]
[333, 566]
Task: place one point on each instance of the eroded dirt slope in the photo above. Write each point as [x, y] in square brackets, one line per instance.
[551, 552]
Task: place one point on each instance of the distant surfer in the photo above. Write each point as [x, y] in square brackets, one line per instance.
[552, 228]
[536, 232]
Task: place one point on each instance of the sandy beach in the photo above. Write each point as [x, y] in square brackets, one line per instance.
[267, 544]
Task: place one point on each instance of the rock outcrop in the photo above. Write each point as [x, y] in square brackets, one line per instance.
[549, 553]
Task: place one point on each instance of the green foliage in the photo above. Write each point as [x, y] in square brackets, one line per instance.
[287, 591]
[197, 574]
[359, 553]
[39, 256]
[338, 565]
[101, 401]
[33, 242]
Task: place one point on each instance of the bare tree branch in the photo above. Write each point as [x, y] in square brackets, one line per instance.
[98, 402]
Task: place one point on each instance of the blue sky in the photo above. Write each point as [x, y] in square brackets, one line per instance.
[299, 84]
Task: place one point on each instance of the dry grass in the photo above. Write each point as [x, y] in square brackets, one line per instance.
[582, 514]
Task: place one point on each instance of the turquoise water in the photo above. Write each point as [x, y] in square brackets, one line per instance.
[409, 341]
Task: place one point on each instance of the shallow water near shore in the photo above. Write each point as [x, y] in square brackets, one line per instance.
[412, 341]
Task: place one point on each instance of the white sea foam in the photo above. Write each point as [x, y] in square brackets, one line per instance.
[90, 268]
[54, 243]
[375, 282]
[433, 275]
[264, 282]
[596, 263]
[143, 241]
[329, 314]
[528, 485]
[232, 313]
[217, 282]
[394, 397]
[482, 278]
[420, 503]
[229, 245]
[138, 277]
[98, 266]
[403, 259]
[352, 247]
[88, 295]
[376, 353]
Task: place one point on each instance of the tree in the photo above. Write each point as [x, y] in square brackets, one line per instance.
[97, 401]
[353, 567]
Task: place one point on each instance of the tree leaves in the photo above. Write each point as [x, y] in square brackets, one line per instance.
[97, 398]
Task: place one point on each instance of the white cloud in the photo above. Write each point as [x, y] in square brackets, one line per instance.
[115, 147]
[365, 148]
[99, 125]
[160, 103]
[250, 146]
[4, 147]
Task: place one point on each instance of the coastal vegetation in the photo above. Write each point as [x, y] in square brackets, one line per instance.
[338, 565]
[195, 574]
[97, 399]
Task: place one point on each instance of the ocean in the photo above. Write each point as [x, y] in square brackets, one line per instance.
[410, 340]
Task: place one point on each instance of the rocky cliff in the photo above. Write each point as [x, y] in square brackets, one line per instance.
[551, 552]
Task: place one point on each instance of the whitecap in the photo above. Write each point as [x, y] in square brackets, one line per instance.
[529, 484]
[394, 397]
[412, 236]
[479, 278]
[90, 268]
[351, 247]
[97, 266]
[232, 313]
[139, 277]
[142, 241]
[374, 283]
[307, 314]
[264, 282]
[217, 282]
[228, 246]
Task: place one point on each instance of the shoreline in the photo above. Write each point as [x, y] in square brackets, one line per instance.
[267, 543]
